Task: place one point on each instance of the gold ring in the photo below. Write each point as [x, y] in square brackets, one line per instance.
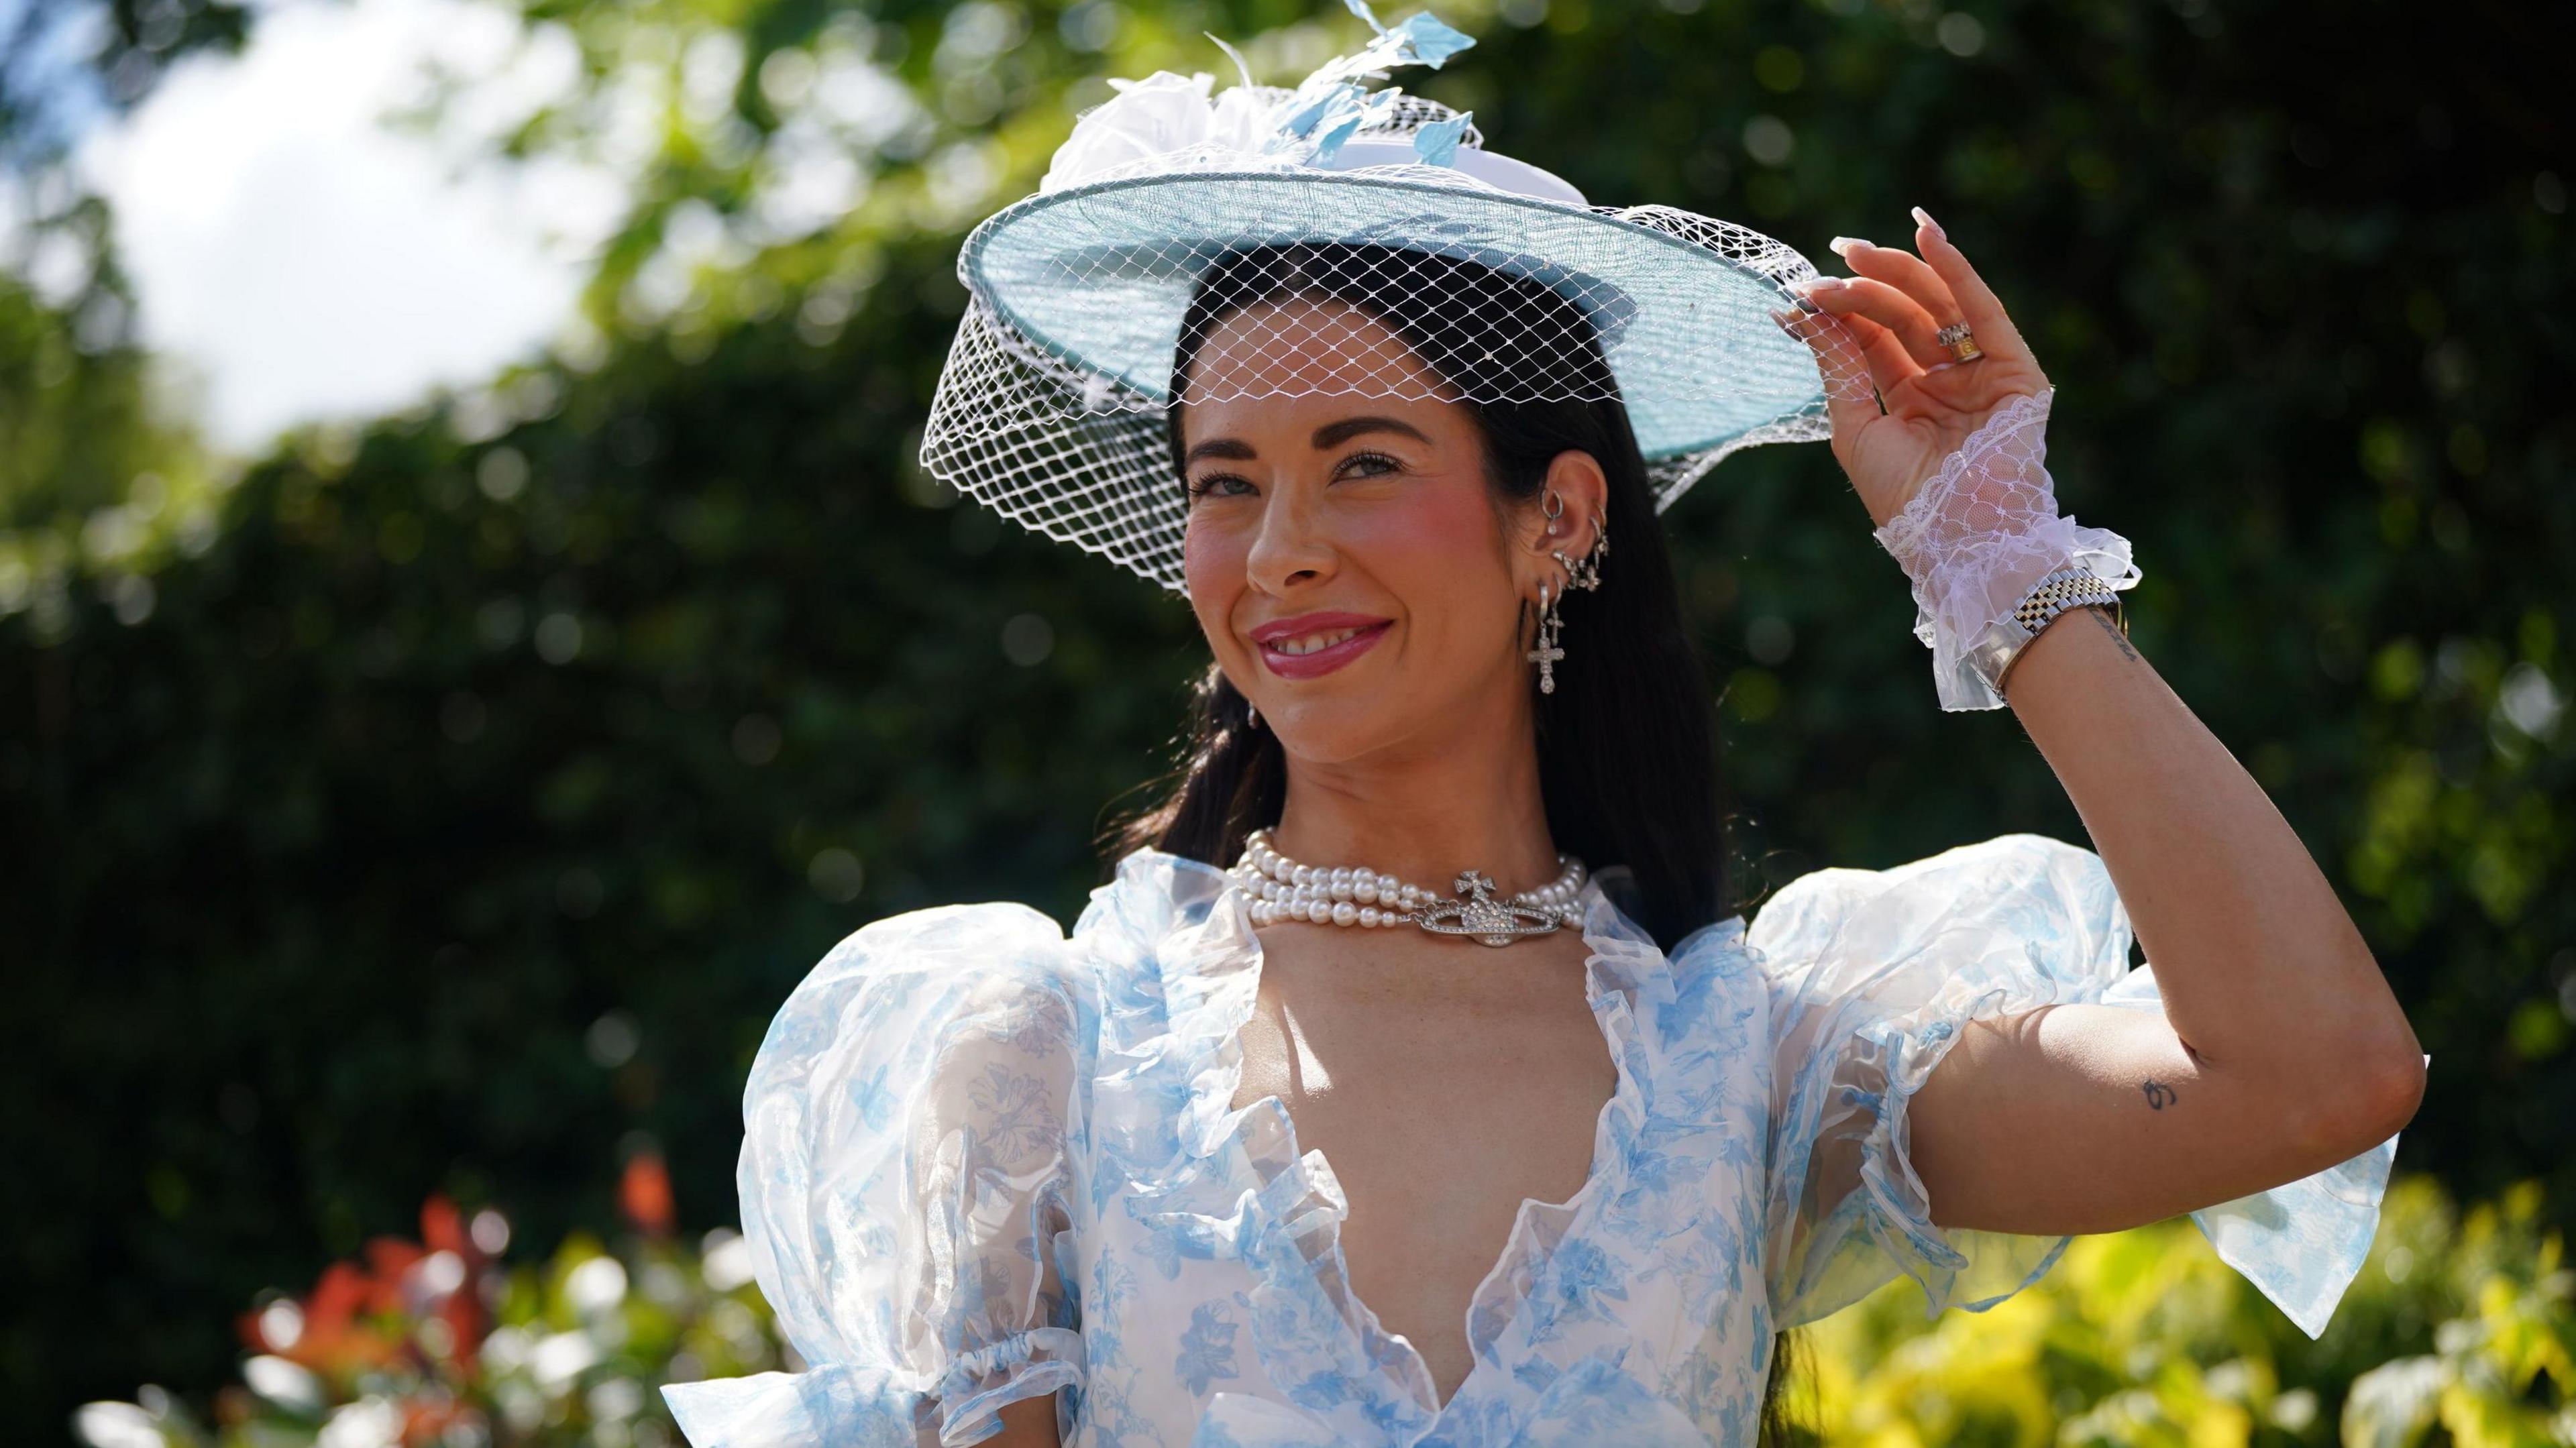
[1961, 342]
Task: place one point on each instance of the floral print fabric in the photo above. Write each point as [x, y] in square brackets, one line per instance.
[986, 1161]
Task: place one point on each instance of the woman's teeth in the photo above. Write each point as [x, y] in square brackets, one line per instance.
[1309, 643]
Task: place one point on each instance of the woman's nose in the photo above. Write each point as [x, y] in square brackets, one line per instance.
[1292, 545]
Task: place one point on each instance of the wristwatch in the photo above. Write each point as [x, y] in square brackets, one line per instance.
[1999, 647]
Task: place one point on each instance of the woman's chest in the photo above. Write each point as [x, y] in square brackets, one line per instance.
[1237, 1270]
[1441, 1100]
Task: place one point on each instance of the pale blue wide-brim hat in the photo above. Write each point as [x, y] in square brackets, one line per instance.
[1052, 408]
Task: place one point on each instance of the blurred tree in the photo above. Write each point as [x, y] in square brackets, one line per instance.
[63, 62]
[101, 472]
[476, 789]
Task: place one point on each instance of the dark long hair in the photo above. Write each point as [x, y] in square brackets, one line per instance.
[1628, 752]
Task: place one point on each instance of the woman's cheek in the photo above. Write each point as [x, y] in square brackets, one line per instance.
[1213, 568]
[1211, 562]
[1423, 547]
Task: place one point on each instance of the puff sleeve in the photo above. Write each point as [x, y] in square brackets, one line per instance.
[905, 1178]
[1871, 973]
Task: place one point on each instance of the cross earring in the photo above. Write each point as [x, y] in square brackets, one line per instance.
[1584, 573]
[1547, 652]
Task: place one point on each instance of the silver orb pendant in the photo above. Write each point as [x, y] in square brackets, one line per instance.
[1492, 921]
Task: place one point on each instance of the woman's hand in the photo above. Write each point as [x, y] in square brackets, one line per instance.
[1876, 333]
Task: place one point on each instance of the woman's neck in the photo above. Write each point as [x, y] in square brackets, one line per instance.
[1424, 812]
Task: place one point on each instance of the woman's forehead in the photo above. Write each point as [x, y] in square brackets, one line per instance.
[1295, 347]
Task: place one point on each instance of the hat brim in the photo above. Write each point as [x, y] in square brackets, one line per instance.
[1098, 277]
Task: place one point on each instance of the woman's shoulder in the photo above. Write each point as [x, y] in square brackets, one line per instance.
[2009, 882]
[2003, 865]
[2016, 915]
[928, 968]
[986, 938]
[931, 975]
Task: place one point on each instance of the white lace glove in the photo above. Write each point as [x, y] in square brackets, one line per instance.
[1980, 532]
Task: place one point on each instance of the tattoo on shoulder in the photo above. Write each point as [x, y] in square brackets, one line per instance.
[2103, 618]
[2159, 1095]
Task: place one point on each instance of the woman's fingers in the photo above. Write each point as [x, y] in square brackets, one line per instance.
[1977, 303]
[1888, 306]
[1904, 271]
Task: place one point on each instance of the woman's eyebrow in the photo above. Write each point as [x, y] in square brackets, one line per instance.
[1219, 447]
[1351, 427]
[1326, 436]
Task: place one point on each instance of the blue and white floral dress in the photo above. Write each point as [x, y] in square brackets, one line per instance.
[987, 1162]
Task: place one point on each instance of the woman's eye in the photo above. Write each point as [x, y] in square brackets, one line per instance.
[1233, 485]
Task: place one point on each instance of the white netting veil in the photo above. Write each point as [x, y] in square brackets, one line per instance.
[1268, 242]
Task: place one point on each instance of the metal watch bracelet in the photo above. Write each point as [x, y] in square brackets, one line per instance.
[2000, 646]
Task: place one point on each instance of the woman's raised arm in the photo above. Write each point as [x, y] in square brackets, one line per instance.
[2280, 1050]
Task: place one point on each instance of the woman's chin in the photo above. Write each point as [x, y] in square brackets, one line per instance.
[1330, 731]
[1349, 716]
[1338, 731]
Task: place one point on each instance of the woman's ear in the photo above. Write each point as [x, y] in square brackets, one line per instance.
[1584, 491]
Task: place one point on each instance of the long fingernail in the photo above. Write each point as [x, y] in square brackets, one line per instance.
[1813, 285]
[1842, 245]
[1924, 219]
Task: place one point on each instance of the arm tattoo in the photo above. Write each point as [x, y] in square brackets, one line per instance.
[2159, 1095]
[2103, 618]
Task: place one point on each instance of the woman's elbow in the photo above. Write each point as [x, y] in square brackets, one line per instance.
[2398, 1088]
[2365, 1095]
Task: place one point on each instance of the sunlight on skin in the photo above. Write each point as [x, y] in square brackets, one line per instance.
[1380, 524]
[1419, 756]
[1387, 525]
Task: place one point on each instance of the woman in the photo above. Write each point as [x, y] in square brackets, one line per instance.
[1272, 1148]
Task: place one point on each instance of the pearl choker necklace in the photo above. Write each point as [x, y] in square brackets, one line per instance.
[1282, 889]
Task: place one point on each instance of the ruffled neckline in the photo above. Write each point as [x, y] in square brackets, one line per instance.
[1188, 925]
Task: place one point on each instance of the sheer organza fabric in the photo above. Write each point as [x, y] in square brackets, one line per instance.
[1980, 531]
[987, 1162]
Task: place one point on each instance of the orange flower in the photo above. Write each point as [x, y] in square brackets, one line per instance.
[335, 1341]
[345, 1320]
[443, 1228]
[645, 1194]
[389, 1258]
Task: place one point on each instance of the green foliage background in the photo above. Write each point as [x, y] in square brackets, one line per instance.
[434, 804]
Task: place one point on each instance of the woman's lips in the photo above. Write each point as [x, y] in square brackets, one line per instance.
[1323, 661]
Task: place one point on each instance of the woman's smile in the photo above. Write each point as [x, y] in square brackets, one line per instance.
[1311, 645]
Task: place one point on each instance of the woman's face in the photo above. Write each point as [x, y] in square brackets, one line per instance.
[1352, 504]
